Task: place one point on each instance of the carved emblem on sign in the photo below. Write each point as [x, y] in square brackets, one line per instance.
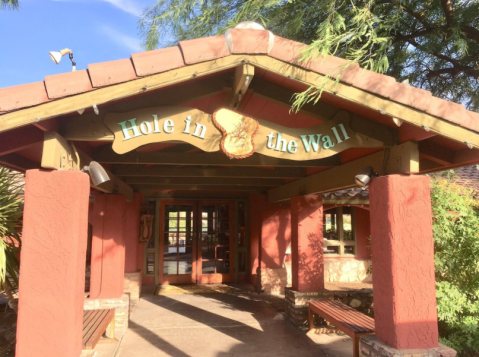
[238, 133]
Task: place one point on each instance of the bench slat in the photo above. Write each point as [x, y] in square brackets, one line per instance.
[95, 323]
[345, 315]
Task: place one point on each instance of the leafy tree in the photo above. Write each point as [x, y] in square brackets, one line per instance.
[11, 209]
[9, 4]
[434, 44]
[456, 239]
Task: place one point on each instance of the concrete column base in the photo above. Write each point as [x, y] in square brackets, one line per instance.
[371, 346]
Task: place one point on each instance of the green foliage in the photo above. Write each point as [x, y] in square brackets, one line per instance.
[434, 43]
[456, 239]
[9, 4]
[11, 208]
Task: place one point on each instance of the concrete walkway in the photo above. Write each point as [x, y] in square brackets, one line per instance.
[220, 325]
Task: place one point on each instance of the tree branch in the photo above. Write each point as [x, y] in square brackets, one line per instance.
[448, 11]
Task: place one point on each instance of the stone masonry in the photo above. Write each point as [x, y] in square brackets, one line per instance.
[132, 286]
[371, 346]
[121, 306]
[297, 304]
[274, 281]
[346, 270]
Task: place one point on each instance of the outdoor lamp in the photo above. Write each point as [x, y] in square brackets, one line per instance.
[363, 178]
[97, 173]
[56, 57]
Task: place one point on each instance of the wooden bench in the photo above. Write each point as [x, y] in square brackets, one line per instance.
[344, 318]
[95, 323]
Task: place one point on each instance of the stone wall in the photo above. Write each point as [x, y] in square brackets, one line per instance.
[122, 309]
[346, 270]
[132, 286]
[273, 281]
[297, 304]
[371, 346]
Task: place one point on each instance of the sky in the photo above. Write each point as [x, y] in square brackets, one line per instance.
[95, 30]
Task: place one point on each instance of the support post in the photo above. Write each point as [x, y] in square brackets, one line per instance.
[108, 247]
[403, 262]
[53, 254]
[307, 243]
[132, 229]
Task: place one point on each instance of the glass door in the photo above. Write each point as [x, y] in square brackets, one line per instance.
[215, 246]
[177, 243]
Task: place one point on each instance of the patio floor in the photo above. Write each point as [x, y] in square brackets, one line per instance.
[240, 323]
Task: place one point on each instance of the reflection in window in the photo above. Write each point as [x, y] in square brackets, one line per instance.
[338, 231]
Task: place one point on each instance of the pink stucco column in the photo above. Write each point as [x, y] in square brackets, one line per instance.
[307, 243]
[108, 247]
[132, 231]
[403, 262]
[52, 269]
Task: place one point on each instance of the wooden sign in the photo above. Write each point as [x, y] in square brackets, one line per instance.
[237, 135]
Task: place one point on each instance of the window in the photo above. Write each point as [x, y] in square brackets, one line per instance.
[339, 231]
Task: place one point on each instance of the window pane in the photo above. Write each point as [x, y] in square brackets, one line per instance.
[184, 268]
[222, 252]
[170, 268]
[349, 249]
[331, 250]
[150, 263]
[348, 223]
[330, 226]
[208, 267]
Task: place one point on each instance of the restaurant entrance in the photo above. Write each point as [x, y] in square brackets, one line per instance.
[196, 242]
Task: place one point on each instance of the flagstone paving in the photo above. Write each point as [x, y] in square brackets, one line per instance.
[220, 324]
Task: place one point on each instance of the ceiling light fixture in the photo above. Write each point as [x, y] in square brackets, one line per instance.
[362, 179]
[97, 173]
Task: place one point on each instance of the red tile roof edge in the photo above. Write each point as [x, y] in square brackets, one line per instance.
[209, 48]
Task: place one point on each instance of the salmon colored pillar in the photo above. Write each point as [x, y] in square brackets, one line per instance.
[108, 247]
[132, 229]
[52, 279]
[307, 243]
[403, 262]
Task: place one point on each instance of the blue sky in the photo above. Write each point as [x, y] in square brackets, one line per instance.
[96, 31]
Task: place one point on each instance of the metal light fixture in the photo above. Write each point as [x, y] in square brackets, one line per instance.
[97, 173]
[56, 57]
[363, 178]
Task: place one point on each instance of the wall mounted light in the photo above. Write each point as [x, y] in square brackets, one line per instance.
[363, 178]
[56, 57]
[97, 173]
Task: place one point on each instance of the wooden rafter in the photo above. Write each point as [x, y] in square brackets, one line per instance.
[220, 181]
[243, 76]
[19, 139]
[260, 188]
[227, 172]
[59, 154]
[107, 155]
[18, 162]
[400, 159]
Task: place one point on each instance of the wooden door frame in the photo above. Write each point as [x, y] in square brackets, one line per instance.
[183, 278]
[217, 278]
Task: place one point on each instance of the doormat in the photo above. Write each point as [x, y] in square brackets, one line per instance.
[165, 290]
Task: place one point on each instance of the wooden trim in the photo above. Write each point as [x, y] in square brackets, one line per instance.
[107, 155]
[213, 172]
[220, 181]
[369, 100]
[401, 159]
[193, 187]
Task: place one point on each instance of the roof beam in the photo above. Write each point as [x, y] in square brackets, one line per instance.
[107, 155]
[260, 188]
[243, 75]
[283, 96]
[435, 153]
[196, 194]
[18, 162]
[233, 172]
[19, 139]
[400, 159]
[59, 154]
[220, 181]
[90, 127]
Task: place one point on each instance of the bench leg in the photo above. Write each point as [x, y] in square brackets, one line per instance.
[311, 320]
[356, 346]
[110, 332]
